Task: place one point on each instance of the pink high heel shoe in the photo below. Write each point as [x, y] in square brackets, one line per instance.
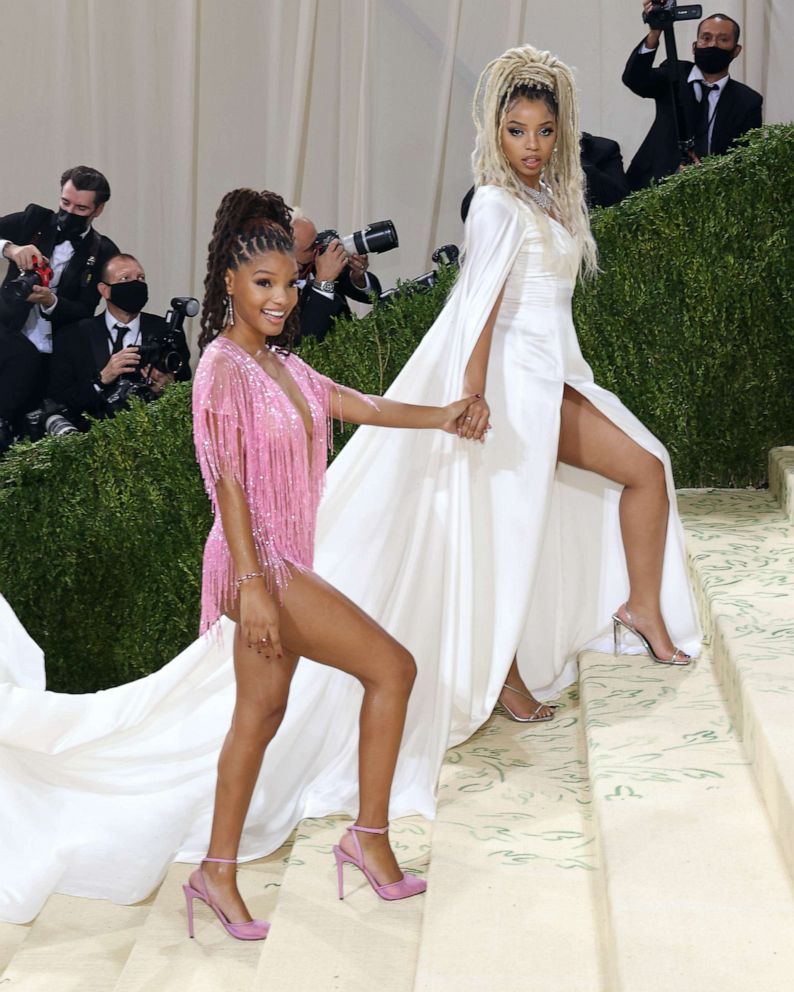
[408, 885]
[196, 888]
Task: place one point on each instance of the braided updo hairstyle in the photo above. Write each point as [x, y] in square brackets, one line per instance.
[536, 75]
[247, 224]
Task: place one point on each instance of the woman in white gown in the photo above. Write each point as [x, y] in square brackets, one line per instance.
[471, 555]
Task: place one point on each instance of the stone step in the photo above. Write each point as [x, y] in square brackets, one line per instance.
[781, 478]
[696, 889]
[358, 944]
[742, 552]
[12, 936]
[164, 959]
[513, 886]
[75, 945]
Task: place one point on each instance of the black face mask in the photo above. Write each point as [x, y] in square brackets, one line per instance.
[72, 225]
[711, 61]
[130, 297]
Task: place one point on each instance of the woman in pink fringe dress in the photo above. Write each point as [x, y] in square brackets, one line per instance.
[262, 429]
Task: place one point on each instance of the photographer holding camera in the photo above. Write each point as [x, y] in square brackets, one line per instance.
[330, 276]
[713, 108]
[98, 362]
[54, 258]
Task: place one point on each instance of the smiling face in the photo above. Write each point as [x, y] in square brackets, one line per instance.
[528, 135]
[264, 292]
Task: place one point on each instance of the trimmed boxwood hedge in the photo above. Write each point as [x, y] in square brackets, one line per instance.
[690, 323]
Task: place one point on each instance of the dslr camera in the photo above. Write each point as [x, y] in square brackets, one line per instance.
[445, 255]
[162, 354]
[667, 12]
[378, 237]
[19, 289]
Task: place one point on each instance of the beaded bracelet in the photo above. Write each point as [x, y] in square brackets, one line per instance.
[250, 575]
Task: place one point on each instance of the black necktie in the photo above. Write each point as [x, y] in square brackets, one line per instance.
[702, 143]
[118, 344]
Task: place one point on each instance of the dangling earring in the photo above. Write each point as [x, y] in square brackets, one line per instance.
[228, 317]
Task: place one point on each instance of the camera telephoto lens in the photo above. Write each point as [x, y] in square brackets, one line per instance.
[21, 287]
[57, 425]
[378, 237]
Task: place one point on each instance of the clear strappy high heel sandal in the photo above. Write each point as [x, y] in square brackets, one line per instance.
[678, 657]
[533, 716]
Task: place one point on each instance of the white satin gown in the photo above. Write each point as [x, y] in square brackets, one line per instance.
[468, 554]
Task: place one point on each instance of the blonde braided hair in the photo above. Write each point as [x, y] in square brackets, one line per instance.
[529, 72]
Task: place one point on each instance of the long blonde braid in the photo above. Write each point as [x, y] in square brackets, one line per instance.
[530, 68]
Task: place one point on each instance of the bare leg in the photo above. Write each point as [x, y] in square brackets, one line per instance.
[589, 440]
[316, 622]
[262, 691]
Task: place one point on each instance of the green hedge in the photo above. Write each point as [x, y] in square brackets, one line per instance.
[690, 323]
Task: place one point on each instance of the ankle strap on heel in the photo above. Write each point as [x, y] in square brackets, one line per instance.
[221, 861]
[370, 830]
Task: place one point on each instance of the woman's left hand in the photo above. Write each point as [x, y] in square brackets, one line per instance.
[474, 421]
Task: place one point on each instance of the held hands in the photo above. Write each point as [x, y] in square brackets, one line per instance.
[474, 422]
[468, 418]
[126, 360]
[329, 265]
[259, 626]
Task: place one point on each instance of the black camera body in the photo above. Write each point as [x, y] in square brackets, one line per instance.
[444, 255]
[163, 354]
[50, 418]
[377, 237]
[19, 289]
[666, 12]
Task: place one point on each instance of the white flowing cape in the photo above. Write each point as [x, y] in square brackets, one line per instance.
[101, 792]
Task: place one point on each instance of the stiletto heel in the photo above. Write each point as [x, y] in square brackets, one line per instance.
[678, 656]
[408, 885]
[189, 894]
[196, 888]
[533, 717]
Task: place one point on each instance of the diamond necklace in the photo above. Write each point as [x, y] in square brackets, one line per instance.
[540, 196]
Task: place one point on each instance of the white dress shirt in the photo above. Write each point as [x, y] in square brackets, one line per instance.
[37, 327]
[696, 76]
[132, 335]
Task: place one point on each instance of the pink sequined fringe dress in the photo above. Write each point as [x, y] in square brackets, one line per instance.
[247, 429]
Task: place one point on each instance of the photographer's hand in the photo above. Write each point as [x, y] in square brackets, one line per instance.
[358, 266]
[158, 380]
[328, 265]
[126, 360]
[43, 296]
[652, 41]
[24, 256]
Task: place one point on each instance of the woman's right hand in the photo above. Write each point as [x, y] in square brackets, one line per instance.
[259, 621]
[474, 421]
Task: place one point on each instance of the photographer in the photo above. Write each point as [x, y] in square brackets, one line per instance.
[33, 306]
[91, 358]
[328, 275]
[714, 108]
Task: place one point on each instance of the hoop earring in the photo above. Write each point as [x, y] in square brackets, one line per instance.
[228, 316]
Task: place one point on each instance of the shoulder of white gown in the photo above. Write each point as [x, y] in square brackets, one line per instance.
[494, 205]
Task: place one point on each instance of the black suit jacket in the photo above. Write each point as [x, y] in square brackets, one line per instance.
[738, 111]
[318, 312]
[82, 350]
[603, 168]
[77, 291]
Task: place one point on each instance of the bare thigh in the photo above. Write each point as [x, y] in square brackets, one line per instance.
[589, 440]
[319, 622]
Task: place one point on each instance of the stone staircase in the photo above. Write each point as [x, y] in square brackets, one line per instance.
[643, 841]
